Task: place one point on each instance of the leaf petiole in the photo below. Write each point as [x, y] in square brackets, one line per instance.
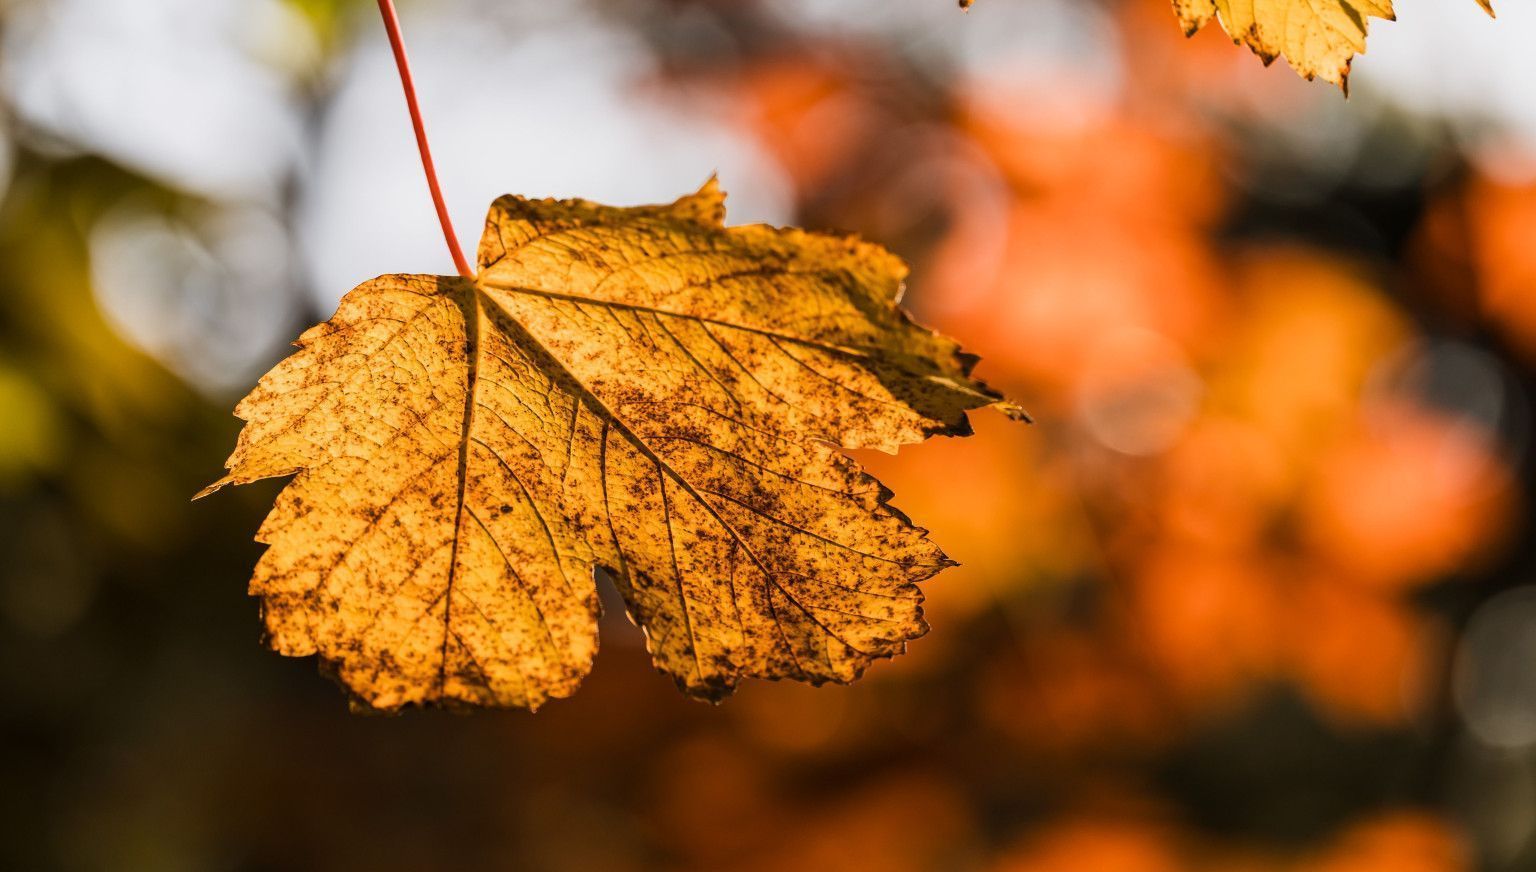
[397, 43]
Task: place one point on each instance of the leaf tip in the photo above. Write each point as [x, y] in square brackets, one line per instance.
[1013, 411]
[706, 205]
[213, 488]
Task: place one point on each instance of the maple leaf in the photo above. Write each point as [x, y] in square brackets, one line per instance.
[638, 389]
[1318, 37]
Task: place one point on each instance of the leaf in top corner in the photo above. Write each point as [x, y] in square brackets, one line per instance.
[1319, 38]
[638, 389]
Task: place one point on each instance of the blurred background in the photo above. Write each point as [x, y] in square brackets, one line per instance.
[1256, 593]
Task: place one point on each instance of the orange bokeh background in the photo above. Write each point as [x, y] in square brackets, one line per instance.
[1215, 608]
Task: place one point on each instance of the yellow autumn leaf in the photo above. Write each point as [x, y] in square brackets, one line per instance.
[1318, 37]
[638, 389]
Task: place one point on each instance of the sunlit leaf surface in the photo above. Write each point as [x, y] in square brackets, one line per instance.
[641, 390]
[1319, 38]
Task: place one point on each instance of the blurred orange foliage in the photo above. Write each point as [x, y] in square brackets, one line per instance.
[1224, 492]
[1475, 242]
[1206, 606]
[1071, 846]
[1401, 842]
